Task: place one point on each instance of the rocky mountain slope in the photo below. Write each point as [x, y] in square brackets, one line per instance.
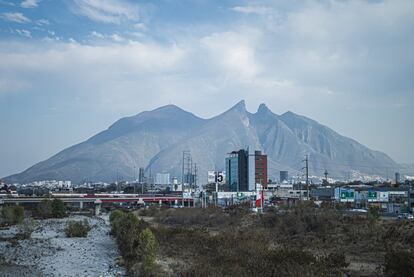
[155, 140]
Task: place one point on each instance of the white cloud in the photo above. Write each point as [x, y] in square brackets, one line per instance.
[117, 38]
[140, 26]
[111, 71]
[42, 22]
[29, 4]
[15, 17]
[97, 35]
[24, 33]
[234, 53]
[314, 53]
[252, 9]
[113, 37]
[107, 11]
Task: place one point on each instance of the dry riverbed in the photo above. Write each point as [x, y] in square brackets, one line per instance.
[50, 253]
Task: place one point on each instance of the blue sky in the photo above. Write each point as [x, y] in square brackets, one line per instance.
[69, 69]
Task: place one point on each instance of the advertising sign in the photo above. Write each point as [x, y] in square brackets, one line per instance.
[216, 177]
[344, 195]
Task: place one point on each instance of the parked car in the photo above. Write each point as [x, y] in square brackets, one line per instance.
[358, 210]
[406, 216]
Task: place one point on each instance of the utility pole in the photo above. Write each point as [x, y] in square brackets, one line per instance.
[117, 180]
[182, 172]
[134, 181]
[306, 160]
[195, 176]
[134, 174]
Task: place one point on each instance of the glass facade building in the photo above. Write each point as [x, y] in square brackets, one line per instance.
[237, 170]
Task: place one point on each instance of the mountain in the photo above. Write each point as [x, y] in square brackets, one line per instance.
[156, 139]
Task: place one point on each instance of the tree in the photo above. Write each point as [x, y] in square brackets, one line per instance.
[373, 215]
[114, 219]
[58, 208]
[148, 247]
[126, 231]
[44, 208]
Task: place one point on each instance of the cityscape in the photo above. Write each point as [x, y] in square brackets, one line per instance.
[206, 138]
[244, 179]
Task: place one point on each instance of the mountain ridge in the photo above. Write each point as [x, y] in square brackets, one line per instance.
[155, 140]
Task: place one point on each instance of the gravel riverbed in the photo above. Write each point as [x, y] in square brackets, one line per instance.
[50, 253]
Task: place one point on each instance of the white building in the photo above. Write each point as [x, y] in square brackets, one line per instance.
[162, 179]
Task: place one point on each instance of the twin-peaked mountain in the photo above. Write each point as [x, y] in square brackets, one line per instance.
[155, 140]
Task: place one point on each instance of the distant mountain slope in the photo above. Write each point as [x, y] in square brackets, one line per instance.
[129, 142]
[155, 140]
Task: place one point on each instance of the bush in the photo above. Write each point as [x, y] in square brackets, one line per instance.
[147, 250]
[136, 242]
[58, 208]
[12, 214]
[114, 219]
[399, 263]
[373, 214]
[26, 228]
[192, 217]
[77, 228]
[44, 208]
[51, 208]
[126, 227]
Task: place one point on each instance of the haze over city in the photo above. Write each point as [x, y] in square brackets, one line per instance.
[69, 69]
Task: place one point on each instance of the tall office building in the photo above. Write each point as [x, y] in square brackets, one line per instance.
[260, 168]
[284, 175]
[237, 170]
[141, 175]
[244, 171]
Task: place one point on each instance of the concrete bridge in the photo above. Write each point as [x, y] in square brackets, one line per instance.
[98, 201]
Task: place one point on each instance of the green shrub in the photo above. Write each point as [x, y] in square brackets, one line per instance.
[114, 219]
[148, 247]
[12, 214]
[58, 208]
[77, 228]
[51, 208]
[373, 214]
[44, 208]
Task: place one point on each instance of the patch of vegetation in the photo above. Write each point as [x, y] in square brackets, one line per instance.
[193, 217]
[51, 208]
[12, 214]
[299, 240]
[26, 228]
[136, 242]
[77, 228]
[58, 208]
[399, 263]
[148, 247]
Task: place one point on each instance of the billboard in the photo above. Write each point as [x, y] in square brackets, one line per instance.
[372, 196]
[216, 177]
[345, 194]
[383, 196]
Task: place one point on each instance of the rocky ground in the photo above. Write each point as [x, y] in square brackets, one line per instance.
[50, 253]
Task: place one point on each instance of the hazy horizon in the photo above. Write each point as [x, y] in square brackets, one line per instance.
[69, 69]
